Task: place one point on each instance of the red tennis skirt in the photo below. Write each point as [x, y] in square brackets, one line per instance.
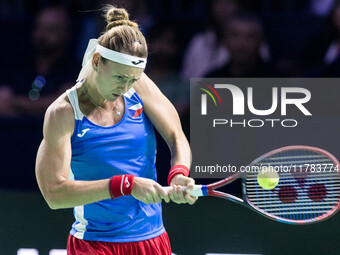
[159, 245]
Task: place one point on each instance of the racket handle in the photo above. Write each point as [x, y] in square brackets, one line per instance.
[196, 191]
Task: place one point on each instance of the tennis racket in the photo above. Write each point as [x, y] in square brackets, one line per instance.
[308, 190]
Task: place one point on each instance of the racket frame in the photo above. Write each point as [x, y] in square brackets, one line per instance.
[320, 218]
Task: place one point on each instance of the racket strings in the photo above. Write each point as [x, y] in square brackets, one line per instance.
[301, 193]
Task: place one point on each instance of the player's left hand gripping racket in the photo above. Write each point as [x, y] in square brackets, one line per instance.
[308, 190]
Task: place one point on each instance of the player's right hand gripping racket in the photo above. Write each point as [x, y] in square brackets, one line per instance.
[308, 190]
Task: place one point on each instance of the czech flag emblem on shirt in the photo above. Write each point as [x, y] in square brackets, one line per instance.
[136, 110]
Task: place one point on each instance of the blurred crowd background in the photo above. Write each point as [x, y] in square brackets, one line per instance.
[43, 42]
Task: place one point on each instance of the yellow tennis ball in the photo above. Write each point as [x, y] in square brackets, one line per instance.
[268, 178]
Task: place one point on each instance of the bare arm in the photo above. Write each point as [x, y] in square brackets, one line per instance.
[164, 117]
[53, 164]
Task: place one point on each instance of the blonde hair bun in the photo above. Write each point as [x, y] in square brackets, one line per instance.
[117, 17]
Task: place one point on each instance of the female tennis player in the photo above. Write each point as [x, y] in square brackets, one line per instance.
[98, 151]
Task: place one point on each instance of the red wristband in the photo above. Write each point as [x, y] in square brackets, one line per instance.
[178, 169]
[121, 185]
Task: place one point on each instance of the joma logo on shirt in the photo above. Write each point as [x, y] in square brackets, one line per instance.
[83, 132]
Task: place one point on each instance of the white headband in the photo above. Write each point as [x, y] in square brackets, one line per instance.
[112, 55]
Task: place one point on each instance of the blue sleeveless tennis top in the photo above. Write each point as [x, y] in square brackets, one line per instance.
[129, 147]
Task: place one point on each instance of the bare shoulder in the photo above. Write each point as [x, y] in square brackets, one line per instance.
[146, 88]
[59, 119]
[159, 109]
